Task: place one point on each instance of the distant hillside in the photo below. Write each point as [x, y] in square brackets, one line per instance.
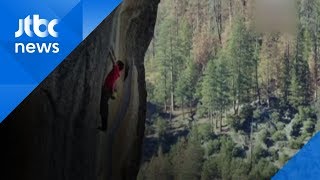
[228, 102]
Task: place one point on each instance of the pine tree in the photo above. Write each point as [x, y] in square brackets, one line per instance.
[216, 89]
[309, 17]
[269, 67]
[159, 168]
[300, 83]
[208, 89]
[162, 88]
[193, 158]
[285, 77]
[241, 53]
[186, 85]
[223, 98]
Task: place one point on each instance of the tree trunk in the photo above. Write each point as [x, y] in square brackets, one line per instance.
[230, 12]
[176, 18]
[212, 123]
[315, 49]
[244, 5]
[256, 77]
[182, 107]
[239, 87]
[211, 120]
[251, 132]
[234, 95]
[218, 18]
[165, 95]
[217, 121]
[171, 75]
[221, 114]
[198, 14]
[172, 93]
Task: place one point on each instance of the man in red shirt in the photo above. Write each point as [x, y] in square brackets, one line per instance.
[108, 89]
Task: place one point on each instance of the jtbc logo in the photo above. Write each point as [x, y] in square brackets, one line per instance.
[25, 26]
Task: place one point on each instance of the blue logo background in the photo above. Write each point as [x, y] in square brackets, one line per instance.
[21, 73]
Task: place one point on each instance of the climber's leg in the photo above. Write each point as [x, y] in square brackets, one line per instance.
[114, 94]
[104, 107]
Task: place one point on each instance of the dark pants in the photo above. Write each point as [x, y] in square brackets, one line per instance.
[104, 107]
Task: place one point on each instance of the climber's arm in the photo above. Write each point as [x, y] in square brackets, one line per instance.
[113, 57]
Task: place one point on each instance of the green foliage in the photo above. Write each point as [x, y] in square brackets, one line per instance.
[208, 87]
[188, 163]
[237, 75]
[296, 126]
[162, 87]
[306, 113]
[177, 151]
[151, 90]
[220, 167]
[317, 111]
[280, 125]
[264, 136]
[260, 152]
[285, 78]
[222, 77]
[274, 154]
[215, 88]
[272, 128]
[239, 169]
[238, 152]
[279, 136]
[317, 126]
[257, 114]
[283, 158]
[160, 126]
[309, 126]
[235, 122]
[246, 112]
[282, 144]
[243, 120]
[305, 117]
[275, 116]
[211, 169]
[300, 84]
[296, 143]
[205, 132]
[227, 145]
[158, 168]
[185, 86]
[187, 159]
[201, 111]
[241, 52]
[262, 170]
[213, 146]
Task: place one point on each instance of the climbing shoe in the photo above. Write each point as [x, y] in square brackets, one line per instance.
[114, 95]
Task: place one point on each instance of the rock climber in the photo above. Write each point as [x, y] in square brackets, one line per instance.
[108, 89]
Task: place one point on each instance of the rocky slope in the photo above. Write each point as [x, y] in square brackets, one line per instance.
[52, 134]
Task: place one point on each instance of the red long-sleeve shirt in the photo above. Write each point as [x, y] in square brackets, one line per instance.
[112, 77]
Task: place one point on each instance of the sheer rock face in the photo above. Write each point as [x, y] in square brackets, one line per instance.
[52, 135]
